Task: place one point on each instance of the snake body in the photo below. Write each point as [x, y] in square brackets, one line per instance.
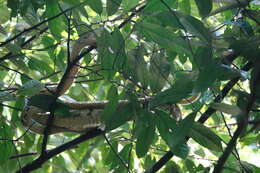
[35, 119]
[86, 114]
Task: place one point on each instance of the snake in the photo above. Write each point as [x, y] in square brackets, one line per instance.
[86, 115]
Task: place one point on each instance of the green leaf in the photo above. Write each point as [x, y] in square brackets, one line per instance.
[20, 102]
[196, 27]
[185, 22]
[140, 66]
[249, 48]
[30, 88]
[253, 14]
[172, 167]
[204, 7]
[181, 89]
[40, 65]
[112, 6]
[111, 157]
[226, 108]
[56, 25]
[145, 133]
[95, 5]
[169, 132]
[227, 7]
[118, 47]
[4, 13]
[49, 42]
[119, 117]
[107, 115]
[191, 167]
[156, 6]
[6, 146]
[179, 134]
[225, 72]
[163, 36]
[60, 61]
[205, 137]
[242, 99]
[105, 54]
[125, 153]
[165, 122]
[149, 162]
[129, 4]
[6, 96]
[14, 6]
[185, 6]
[207, 69]
[159, 69]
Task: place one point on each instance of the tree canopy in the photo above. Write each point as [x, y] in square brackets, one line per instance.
[153, 54]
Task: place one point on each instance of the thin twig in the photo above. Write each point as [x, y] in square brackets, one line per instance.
[241, 125]
[117, 155]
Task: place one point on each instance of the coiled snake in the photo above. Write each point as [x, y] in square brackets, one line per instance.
[86, 114]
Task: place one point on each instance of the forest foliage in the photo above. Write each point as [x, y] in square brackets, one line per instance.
[167, 50]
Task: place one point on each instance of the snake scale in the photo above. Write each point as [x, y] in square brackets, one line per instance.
[87, 114]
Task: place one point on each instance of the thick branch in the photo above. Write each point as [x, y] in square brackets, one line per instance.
[243, 121]
[51, 153]
[160, 163]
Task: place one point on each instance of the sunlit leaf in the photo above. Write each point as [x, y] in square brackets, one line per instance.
[182, 89]
[186, 22]
[195, 27]
[204, 7]
[225, 72]
[6, 146]
[191, 167]
[207, 69]
[56, 25]
[205, 137]
[140, 66]
[96, 5]
[172, 167]
[105, 54]
[4, 14]
[30, 88]
[226, 108]
[155, 5]
[112, 6]
[109, 110]
[49, 43]
[179, 134]
[145, 133]
[160, 70]
[128, 4]
[111, 157]
[162, 36]
[185, 6]
[118, 47]
[227, 7]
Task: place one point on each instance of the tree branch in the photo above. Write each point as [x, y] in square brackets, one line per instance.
[51, 153]
[160, 163]
[243, 121]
